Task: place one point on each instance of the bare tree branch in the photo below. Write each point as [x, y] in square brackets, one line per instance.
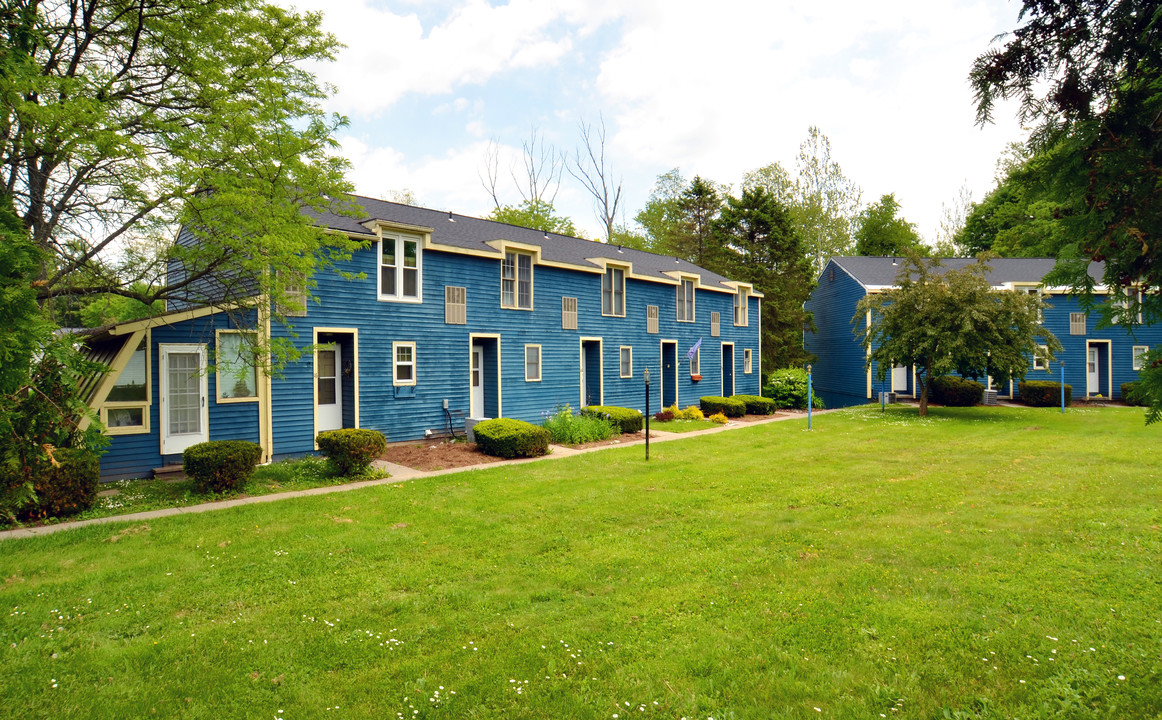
[597, 177]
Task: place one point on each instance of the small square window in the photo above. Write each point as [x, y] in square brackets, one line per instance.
[626, 353]
[1077, 323]
[455, 305]
[532, 363]
[404, 368]
[234, 367]
[1041, 358]
[1139, 356]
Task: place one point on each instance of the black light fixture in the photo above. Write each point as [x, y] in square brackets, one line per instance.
[894, 263]
[450, 218]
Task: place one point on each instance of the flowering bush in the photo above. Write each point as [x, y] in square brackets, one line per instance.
[718, 418]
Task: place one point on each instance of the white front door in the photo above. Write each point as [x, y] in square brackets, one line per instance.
[329, 388]
[900, 378]
[477, 399]
[1092, 379]
[184, 415]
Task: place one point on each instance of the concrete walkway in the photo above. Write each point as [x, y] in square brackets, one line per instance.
[399, 473]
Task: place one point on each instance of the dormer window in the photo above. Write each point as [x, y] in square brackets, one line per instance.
[686, 300]
[613, 292]
[741, 306]
[516, 281]
[399, 267]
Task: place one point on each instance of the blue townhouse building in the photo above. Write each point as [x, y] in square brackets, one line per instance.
[456, 317]
[1097, 361]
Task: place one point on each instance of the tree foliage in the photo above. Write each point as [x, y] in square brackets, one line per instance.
[535, 214]
[120, 121]
[942, 321]
[879, 230]
[1089, 74]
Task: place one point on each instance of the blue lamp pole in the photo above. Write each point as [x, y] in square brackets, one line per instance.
[1062, 387]
[809, 397]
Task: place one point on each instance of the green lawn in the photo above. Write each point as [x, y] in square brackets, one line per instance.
[682, 426]
[976, 564]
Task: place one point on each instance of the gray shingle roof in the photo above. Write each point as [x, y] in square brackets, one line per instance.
[881, 272]
[472, 233]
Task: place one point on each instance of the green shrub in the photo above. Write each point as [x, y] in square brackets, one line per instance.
[629, 420]
[508, 438]
[788, 388]
[1132, 394]
[221, 465]
[351, 451]
[756, 404]
[730, 407]
[718, 418]
[1043, 393]
[565, 428]
[956, 391]
[68, 488]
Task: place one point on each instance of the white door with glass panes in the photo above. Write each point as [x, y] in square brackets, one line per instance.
[1092, 379]
[477, 409]
[184, 414]
[328, 388]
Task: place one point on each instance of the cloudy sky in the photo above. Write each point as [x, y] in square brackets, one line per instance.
[713, 88]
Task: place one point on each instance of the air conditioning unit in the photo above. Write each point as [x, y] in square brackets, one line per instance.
[888, 398]
[990, 397]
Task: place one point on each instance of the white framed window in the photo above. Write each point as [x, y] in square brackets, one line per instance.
[686, 300]
[696, 363]
[1139, 356]
[652, 319]
[746, 363]
[568, 313]
[715, 324]
[294, 298]
[1124, 300]
[516, 281]
[236, 378]
[126, 407]
[1076, 323]
[1036, 292]
[403, 366]
[741, 307]
[532, 363]
[626, 361]
[1041, 358]
[455, 305]
[613, 292]
[399, 267]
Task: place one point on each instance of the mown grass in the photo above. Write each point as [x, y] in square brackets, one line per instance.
[979, 563]
[682, 426]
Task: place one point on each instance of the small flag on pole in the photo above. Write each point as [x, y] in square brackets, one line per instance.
[694, 349]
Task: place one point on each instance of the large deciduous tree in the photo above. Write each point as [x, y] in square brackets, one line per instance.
[879, 230]
[940, 321]
[121, 120]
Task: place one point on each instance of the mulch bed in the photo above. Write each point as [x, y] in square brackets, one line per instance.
[435, 455]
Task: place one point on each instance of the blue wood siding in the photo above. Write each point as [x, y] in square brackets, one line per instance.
[136, 455]
[839, 377]
[443, 351]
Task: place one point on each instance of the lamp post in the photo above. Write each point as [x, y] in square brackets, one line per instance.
[809, 396]
[1062, 387]
[647, 378]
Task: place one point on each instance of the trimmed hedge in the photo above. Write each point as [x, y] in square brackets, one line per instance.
[67, 489]
[508, 438]
[221, 465]
[1132, 394]
[728, 406]
[351, 451]
[1043, 393]
[627, 419]
[756, 404]
[956, 391]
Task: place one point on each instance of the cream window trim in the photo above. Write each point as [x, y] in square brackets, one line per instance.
[533, 351]
[1136, 353]
[398, 268]
[397, 364]
[625, 360]
[144, 406]
[219, 378]
[746, 362]
[511, 280]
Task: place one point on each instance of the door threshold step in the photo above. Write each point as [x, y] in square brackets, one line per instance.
[170, 473]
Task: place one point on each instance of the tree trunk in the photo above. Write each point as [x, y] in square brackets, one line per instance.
[923, 395]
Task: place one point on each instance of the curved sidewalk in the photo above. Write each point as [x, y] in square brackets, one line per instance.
[399, 473]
